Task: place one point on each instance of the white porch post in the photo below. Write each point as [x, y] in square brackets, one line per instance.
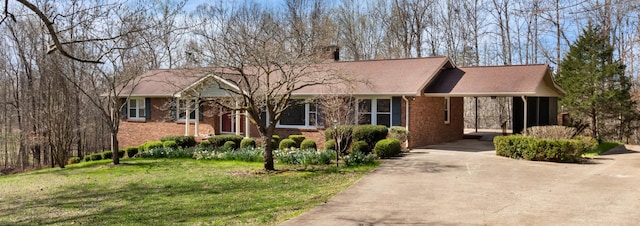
[237, 121]
[246, 124]
[197, 124]
[186, 118]
[524, 100]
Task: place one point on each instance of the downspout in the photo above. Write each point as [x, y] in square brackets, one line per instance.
[406, 118]
[524, 100]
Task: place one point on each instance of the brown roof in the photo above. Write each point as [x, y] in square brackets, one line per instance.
[516, 80]
[161, 83]
[384, 77]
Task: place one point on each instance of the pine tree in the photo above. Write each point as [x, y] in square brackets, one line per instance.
[597, 89]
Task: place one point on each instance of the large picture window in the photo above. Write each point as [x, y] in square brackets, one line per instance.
[136, 108]
[374, 112]
[301, 115]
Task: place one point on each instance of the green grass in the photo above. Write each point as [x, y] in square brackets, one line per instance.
[602, 148]
[168, 191]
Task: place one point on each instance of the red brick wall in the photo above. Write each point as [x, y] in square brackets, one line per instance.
[426, 121]
[134, 133]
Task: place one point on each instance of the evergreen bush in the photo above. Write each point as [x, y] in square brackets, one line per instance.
[131, 151]
[220, 140]
[298, 139]
[387, 148]
[230, 145]
[170, 144]
[360, 146]
[308, 144]
[247, 143]
[286, 144]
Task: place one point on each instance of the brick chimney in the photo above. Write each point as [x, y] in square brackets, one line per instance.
[331, 52]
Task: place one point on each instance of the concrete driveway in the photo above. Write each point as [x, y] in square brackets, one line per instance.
[464, 183]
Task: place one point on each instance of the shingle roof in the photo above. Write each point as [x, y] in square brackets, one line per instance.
[161, 83]
[515, 80]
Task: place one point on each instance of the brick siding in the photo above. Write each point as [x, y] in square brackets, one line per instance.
[426, 120]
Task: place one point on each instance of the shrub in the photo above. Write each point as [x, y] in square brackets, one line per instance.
[358, 158]
[121, 153]
[346, 131]
[370, 133]
[169, 144]
[131, 151]
[308, 144]
[286, 144]
[141, 147]
[87, 158]
[248, 143]
[152, 144]
[387, 148]
[107, 155]
[73, 160]
[230, 145]
[360, 146]
[220, 140]
[551, 132]
[298, 139]
[399, 132]
[96, 156]
[538, 149]
[330, 145]
[181, 141]
[205, 143]
[275, 141]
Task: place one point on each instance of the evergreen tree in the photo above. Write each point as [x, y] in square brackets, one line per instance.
[597, 89]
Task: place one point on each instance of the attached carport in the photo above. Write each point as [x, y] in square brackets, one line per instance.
[531, 87]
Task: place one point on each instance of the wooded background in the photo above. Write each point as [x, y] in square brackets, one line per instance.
[50, 103]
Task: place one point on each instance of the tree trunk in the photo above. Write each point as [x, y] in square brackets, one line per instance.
[114, 148]
[268, 152]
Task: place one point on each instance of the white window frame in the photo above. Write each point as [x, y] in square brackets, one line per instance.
[180, 111]
[307, 121]
[232, 117]
[447, 110]
[374, 110]
[140, 105]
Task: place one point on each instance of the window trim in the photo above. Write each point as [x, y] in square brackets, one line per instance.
[140, 105]
[447, 110]
[179, 111]
[374, 110]
[307, 120]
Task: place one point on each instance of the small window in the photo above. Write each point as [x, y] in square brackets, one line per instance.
[136, 108]
[182, 109]
[374, 112]
[447, 108]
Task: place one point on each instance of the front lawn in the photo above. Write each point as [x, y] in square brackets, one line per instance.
[602, 148]
[168, 191]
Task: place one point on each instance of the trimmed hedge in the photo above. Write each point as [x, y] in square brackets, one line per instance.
[205, 143]
[96, 156]
[87, 158]
[131, 151]
[308, 144]
[181, 141]
[387, 148]
[330, 145]
[170, 144]
[230, 145]
[347, 133]
[275, 141]
[107, 155]
[298, 139]
[220, 140]
[152, 144]
[248, 143]
[360, 146]
[370, 133]
[538, 149]
[399, 132]
[121, 153]
[287, 143]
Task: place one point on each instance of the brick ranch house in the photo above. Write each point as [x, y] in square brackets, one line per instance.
[425, 95]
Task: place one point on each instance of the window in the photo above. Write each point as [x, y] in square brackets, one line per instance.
[447, 108]
[136, 108]
[300, 115]
[374, 112]
[182, 108]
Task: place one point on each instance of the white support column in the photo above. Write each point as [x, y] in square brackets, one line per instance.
[186, 118]
[196, 131]
[524, 100]
[406, 118]
[237, 115]
[246, 124]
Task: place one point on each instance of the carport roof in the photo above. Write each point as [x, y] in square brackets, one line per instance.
[515, 80]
